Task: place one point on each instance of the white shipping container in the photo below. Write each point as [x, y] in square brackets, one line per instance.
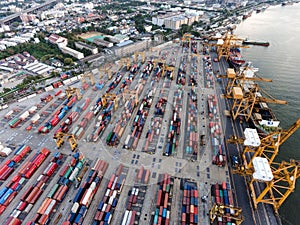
[22, 99]
[4, 106]
[24, 115]
[111, 199]
[93, 185]
[74, 174]
[125, 217]
[129, 218]
[6, 151]
[87, 197]
[32, 109]
[107, 192]
[49, 88]
[7, 115]
[31, 96]
[104, 207]
[35, 118]
[28, 208]
[50, 207]
[75, 207]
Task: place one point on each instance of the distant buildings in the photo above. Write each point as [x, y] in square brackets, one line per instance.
[81, 45]
[72, 52]
[58, 40]
[174, 20]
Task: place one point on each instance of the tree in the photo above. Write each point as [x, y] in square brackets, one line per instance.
[68, 61]
[106, 39]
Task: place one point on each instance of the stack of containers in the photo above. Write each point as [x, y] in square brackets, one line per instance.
[86, 192]
[115, 135]
[189, 212]
[58, 115]
[32, 194]
[181, 77]
[142, 176]
[194, 47]
[8, 193]
[8, 115]
[191, 128]
[174, 129]
[219, 156]
[115, 82]
[79, 130]
[129, 216]
[209, 78]
[156, 121]
[103, 120]
[139, 121]
[10, 165]
[193, 73]
[99, 86]
[59, 190]
[107, 205]
[73, 116]
[85, 86]
[163, 202]
[223, 196]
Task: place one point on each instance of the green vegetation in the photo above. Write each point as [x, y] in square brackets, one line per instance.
[38, 50]
[139, 20]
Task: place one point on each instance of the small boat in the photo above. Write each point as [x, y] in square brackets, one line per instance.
[260, 43]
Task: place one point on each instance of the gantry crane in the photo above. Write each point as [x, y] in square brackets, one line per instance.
[105, 70]
[71, 90]
[130, 93]
[187, 37]
[277, 190]
[218, 210]
[88, 75]
[225, 44]
[137, 54]
[268, 148]
[60, 140]
[125, 61]
[280, 182]
[171, 69]
[109, 97]
[156, 61]
[238, 79]
[244, 102]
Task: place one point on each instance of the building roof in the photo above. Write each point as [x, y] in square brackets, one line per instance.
[124, 43]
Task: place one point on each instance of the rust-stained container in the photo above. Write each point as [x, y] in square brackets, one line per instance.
[44, 206]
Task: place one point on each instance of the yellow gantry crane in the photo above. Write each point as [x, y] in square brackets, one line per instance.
[277, 190]
[187, 37]
[238, 79]
[105, 70]
[171, 69]
[268, 148]
[244, 102]
[88, 75]
[109, 97]
[218, 210]
[124, 61]
[282, 176]
[130, 93]
[225, 44]
[71, 90]
[60, 140]
[137, 54]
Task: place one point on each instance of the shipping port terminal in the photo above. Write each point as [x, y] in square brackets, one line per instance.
[138, 141]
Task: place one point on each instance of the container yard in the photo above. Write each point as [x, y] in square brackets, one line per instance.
[144, 144]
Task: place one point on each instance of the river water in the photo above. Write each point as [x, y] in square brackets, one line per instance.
[279, 25]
